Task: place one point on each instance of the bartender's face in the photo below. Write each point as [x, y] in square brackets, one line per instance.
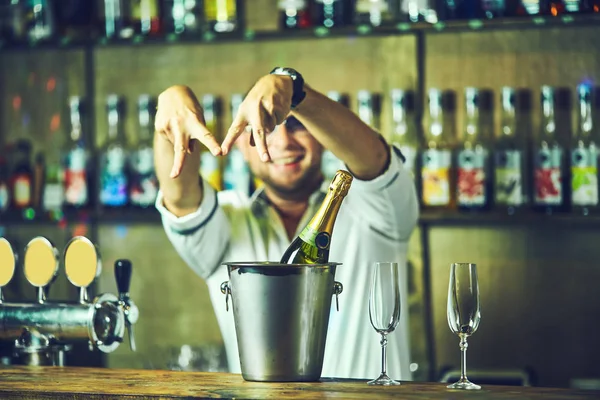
[295, 166]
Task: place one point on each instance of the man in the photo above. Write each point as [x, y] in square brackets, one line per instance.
[290, 124]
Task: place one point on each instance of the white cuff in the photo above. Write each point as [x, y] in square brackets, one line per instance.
[193, 221]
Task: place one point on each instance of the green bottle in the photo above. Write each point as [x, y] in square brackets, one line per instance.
[312, 245]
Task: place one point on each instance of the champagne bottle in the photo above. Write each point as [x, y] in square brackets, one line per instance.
[312, 245]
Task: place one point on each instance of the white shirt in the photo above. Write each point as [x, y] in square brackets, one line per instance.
[374, 223]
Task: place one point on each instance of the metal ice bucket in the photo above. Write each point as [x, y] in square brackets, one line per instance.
[281, 314]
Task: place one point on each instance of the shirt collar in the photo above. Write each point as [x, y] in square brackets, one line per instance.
[259, 201]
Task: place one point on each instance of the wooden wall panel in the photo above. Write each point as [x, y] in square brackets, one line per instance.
[174, 306]
[43, 80]
[524, 59]
[376, 64]
[537, 290]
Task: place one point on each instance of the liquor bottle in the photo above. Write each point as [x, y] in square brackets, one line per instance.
[220, 15]
[12, 21]
[332, 13]
[584, 157]
[76, 160]
[4, 185]
[375, 12]
[113, 160]
[473, 172]
[295, 14]
[312, 245]
[22, 177]
[330, 164]
[510, 161]
[493, 8]
[116, 20]
[368, 108]
[210, 167]
[236, 174]
[436, 159]
[53, 192]
[424, 10]
[183, 16]
[145, 17]
[144, 185]
[404, 130]
[549, 161]
[39, 20]
[532, 7]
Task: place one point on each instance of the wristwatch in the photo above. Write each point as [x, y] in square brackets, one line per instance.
[298, 82]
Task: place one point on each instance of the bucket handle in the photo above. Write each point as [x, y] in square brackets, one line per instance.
[226, 290]
[337, 289]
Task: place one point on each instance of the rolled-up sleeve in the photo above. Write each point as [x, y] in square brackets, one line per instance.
[201, 237]
[389, 202]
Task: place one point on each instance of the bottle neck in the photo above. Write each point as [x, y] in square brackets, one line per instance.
[585, 125]
[509, 123]
[548, 123]
[436, 122]
[324, 218]
[115, 130]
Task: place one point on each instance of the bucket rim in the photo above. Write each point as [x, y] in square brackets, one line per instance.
[270, 264]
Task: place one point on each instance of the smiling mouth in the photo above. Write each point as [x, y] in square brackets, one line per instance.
[287, 160]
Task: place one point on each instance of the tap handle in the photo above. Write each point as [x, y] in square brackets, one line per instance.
[123, 277]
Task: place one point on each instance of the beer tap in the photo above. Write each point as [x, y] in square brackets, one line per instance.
[43, 329]
[130, 310]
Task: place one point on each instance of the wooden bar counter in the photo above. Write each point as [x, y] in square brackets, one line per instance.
[97, 383]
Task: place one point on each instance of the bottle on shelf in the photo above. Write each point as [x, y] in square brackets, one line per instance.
[491, 9]
[12, 21]
[22, 177]
[330, 164]
[145, 17]
[584, 157]
[4, 184]
[376, 12]
[210, 167]
[405, 135]
[532, 7]
[472, 159]
[550, 173]
[437, 176]
[114, 180]
[368, 108]
[144, 184]
[116, 20]
[510, 158]
[236, 173]
[76, 160]
[39, 20]
[422, 11]
[295, 14]
[312, 245]
[39, 168]
[183, 17]
[221, 15]
[333, 13]
[53, 193]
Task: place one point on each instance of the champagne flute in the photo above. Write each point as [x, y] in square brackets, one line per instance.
[463, 313]
[384, 310]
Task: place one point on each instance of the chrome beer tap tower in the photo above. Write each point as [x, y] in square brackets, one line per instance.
[43, 330]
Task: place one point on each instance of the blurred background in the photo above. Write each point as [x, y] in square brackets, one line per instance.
[495, 103]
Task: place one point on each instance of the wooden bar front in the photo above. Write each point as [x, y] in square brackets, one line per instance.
[96, 383]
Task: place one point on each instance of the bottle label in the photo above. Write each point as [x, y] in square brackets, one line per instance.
[76, 193]
[209, 169]
[367, 6]
[53, 196]
[113, 181]
[144, 185]
[436, 177]
[4, 196]
[330, 164]
[572, 6]
[319, 239]
[410, 156]
[584, 176]
[509, 180]
[548, 177]
[471, 177]
[22, 191]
